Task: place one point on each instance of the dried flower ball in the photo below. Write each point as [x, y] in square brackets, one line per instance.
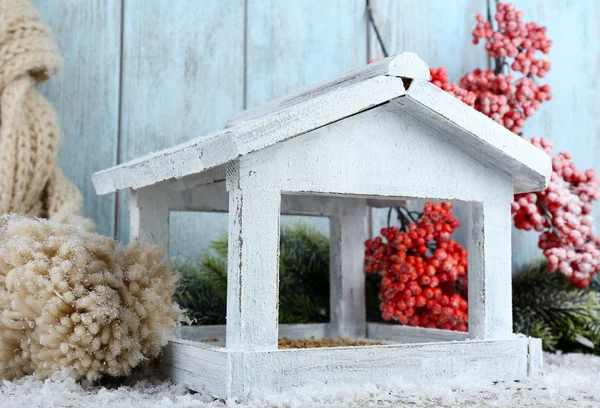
[72, 299]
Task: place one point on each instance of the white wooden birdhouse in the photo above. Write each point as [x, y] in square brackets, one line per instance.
[319, 152]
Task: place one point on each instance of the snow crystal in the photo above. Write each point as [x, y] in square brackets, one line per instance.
[570, 381]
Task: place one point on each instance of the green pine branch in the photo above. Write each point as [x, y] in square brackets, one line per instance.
[547, 306]
[303, 279]
[199, 290]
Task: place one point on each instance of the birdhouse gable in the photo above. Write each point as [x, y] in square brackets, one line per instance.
[383, 152]
[400, 81]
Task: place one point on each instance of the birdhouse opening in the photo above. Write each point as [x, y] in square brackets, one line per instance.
[198, 256]
[344, 277]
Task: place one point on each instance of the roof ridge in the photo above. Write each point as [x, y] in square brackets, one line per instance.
[405, 65]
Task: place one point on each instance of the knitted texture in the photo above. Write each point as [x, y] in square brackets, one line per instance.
[30, 181]
[71, 299]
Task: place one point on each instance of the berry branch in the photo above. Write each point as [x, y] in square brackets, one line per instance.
[563, 212]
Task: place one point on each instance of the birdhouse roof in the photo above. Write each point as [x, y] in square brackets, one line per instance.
[401, 80]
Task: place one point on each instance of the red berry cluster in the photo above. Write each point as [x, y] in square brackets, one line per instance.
[423, 271]
[502, 97]
[439, 77]
[563, 213]
[515, 39]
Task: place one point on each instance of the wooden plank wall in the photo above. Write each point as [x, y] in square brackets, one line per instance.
[183, 76]
[141, 75]
[86, 93]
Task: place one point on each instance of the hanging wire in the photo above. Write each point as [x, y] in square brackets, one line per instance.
[377, 33]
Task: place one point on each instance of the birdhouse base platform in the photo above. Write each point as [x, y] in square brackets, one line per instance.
[407, 354]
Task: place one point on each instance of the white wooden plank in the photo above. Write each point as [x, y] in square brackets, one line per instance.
[198, 333]
[292, 331]
[214, 175]
[205, 153]
[202, 369]
[276, 371]
[214, 197]
[85, 94]
[457, 123]
[346, 263]
[304, 331]
[407, 334]
[490, 296]
[536, 357]
[207, 198]
[252, 267]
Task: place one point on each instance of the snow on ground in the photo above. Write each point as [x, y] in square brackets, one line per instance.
[571, 380]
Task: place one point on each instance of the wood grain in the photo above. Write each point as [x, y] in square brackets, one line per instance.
[346, 271]
[253, 266]
[296, 43]
[183, 73]
[196, 366]
[490, 296]
[85, 94]
[290, 331]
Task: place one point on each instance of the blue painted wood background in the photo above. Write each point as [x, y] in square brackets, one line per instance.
[142, 75]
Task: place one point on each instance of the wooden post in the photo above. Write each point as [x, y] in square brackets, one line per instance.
[347, 279]
[149, 216]
[490, 297]
[253, 269]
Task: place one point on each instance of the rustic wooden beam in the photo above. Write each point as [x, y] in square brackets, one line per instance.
[490, 301]
[347, 278]
[408, 334]
[252, 267]
[149, 216]
[292, 331]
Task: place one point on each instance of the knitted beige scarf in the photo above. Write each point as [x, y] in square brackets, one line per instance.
[30, 181]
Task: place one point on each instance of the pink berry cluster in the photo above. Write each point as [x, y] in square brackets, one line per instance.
[563, 213]
[515, 39]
